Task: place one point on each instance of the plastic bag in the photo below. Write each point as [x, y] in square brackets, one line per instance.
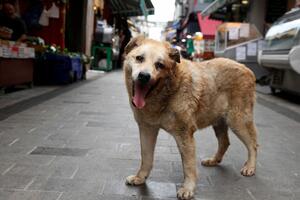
[53, 12]
[44, 18]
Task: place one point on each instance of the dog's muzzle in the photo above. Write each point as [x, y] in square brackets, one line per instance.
[141, 87]
[143, 78]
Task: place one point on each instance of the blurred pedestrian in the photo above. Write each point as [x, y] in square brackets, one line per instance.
[125, 36]
[297, 4]
[190, 47]
[12, 27]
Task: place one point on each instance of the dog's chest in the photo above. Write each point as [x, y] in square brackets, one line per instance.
[174, 122]
[170, 121]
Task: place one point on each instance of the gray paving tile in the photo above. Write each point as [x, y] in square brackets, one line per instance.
[152, 189]
[60, 137]
[227, 193]
[28, 195]
[73, 123]
[4, 166]
[15, 182]
[92, 113]
[271, 194]
[59, 171]
[4, 195]
[67, 185]
[287, 112]
[93, 196]
[222, 175]
[27, 139]
[27, 159]
[101, 124]
[96, 117]
[153, 198]
[6, 139]
[59, 151]
[15, 149]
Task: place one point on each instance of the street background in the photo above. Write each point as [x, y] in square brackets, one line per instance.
[66, 128]
[81, 141]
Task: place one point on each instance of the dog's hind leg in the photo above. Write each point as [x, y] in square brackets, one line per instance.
[243, 126]
[221, 132]
[148, 136]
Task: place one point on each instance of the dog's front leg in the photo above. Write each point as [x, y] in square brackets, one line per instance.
[148, 136]
[186, 145]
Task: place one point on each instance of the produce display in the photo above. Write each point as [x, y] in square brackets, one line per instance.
[10, 49]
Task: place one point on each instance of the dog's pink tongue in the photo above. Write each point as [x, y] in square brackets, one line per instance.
[139, 95]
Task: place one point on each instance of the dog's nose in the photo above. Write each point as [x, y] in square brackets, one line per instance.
[144, 77]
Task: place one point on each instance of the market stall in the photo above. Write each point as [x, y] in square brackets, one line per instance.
[208, 29]
[241, 42]
[55, 67]
[16, 64]
[32, 44]
[102, 46]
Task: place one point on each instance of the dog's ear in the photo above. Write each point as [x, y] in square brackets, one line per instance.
[174, 55]
[134, 42]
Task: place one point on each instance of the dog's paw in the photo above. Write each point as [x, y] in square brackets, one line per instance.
[135, 180]
[210, 162]
[248, 170]
[185, 193]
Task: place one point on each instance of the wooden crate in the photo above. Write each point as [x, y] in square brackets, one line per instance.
[15, 72]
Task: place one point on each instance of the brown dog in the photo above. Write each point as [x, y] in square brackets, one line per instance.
[180, 97]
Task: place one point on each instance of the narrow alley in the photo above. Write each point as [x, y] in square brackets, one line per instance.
[81, 141]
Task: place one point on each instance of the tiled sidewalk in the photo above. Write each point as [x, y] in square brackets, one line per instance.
[81, 143]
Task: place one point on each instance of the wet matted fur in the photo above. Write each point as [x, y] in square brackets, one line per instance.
[180, 96]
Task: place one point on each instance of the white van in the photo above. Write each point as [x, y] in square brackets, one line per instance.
[281, 54]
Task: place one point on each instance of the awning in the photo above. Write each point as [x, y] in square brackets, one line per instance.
[171, 34]
[199, 7]
[214, 6]
[208, 26]
[130, 8]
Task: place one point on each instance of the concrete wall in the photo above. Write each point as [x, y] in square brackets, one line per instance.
[257, 14]
[89, 26]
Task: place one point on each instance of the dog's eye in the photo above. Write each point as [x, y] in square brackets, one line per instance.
[140, 58]
[159, 65]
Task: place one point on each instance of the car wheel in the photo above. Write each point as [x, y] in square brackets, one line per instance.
[274, 90]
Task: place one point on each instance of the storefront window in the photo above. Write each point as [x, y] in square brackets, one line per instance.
[283, 35]
[221, 41]
[232, 34]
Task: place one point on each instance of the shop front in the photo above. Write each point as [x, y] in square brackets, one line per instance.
[208, 28]
[41, 51]
[241, 42]
[16, 64]
[113, 30]
[60, 37]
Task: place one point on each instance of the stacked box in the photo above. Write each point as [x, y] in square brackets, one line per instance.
[10, 49]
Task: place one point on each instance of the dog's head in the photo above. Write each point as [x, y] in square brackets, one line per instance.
[148, 63]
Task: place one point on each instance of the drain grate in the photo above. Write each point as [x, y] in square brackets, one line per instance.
[54, 151]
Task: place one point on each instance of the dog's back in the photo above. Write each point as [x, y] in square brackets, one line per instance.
[232, 78]
[212, 90]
